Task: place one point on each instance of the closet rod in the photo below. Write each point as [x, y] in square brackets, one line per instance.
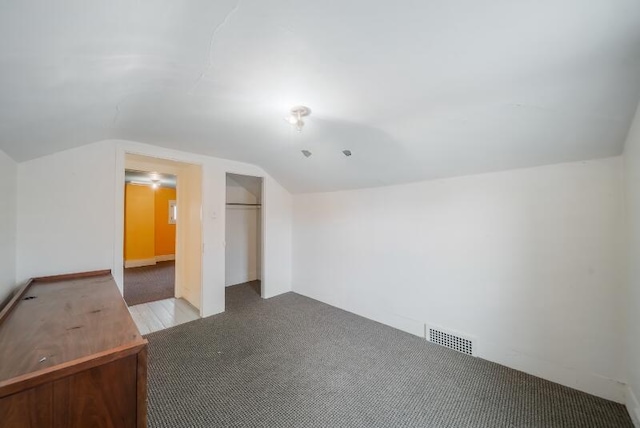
[248, 205]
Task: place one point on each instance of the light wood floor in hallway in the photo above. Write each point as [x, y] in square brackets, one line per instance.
[161, 314]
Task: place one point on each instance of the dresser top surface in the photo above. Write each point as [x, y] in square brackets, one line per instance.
[58, 322]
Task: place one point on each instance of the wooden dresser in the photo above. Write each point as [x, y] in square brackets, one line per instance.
[71, 356]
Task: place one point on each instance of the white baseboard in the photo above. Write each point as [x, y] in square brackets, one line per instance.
[584, 381]
[633, 406]
[407, 325]
[241, 278]
[139, 263]
[590, 383]
[148, 262]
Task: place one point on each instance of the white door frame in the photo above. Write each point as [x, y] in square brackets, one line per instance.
[120, 164]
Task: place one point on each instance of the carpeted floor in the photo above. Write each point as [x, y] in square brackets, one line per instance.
[149, 283]
[291, 361]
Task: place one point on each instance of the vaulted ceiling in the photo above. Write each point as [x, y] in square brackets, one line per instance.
[415, 89]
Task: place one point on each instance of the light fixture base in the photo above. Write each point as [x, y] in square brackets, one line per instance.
[300, 111]
[297, 113]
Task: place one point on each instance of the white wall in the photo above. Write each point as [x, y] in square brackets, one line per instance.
[277, 219]
[242, 235]
[632, 179]
[8, 225]
[70, 210]
[528, 262]
[65, 212]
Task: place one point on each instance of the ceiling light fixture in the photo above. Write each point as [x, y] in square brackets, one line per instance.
[297, 113]
[154, 183]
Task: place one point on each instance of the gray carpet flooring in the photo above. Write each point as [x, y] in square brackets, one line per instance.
[149, 283]
[291, 361]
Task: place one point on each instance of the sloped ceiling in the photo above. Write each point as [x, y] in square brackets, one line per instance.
[252, 185]
[415, 89]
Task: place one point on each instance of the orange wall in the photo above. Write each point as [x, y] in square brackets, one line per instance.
[147, 232]
[165, 233]
[139, 222]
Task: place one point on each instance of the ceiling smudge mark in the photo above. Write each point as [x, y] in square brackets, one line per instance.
[115, 116]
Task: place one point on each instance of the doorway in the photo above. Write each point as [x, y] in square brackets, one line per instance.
[149, 236]
[162, 254]
[243, 238]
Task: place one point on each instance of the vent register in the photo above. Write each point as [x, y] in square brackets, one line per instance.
[451, 341]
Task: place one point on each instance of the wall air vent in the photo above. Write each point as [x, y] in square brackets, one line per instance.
[451, 341]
